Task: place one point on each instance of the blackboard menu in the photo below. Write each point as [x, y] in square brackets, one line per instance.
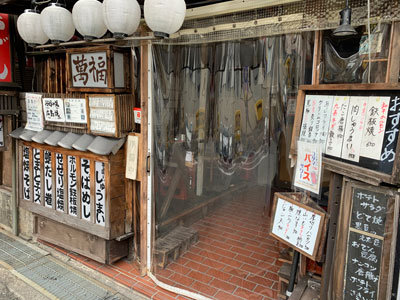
[365, 244]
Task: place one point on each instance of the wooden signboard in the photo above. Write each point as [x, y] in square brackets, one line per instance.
[361, 139]
[74, 188]
[364, 251]
[297, 224]
[104, 69]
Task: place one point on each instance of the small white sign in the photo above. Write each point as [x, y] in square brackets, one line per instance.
[100, 194]
[53, 109]
[374, 128]
[48, 180]
[337, 126]
[34, 115]
[102, 114]
[296, 225]
[36, 177]
[138, 115]
[132, 157]
[308, 167]
[72, 187]
[75, 110]
[60, 194]
[354, 128]
[26, 174]
[85, 191]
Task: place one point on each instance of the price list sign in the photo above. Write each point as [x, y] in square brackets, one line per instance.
[365, 245]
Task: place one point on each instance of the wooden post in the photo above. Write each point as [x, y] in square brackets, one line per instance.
[317, 57]
[144, 67]
[393, 67]
[335, 192]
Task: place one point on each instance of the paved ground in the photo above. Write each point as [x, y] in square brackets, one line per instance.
[28, 272]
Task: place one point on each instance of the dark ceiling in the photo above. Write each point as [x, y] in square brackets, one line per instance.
[18, 6]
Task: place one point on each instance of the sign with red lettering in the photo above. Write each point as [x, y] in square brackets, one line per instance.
[5, 49]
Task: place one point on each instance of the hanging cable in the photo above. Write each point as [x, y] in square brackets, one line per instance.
[369, 41]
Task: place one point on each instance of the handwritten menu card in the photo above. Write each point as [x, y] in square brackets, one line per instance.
[34, 114]
[365, 244]
[308, 167]
[361, 130]
[75, 110]
[102, 114]
[374, 129]
[53, 109]
[297, 225]
[337, 126]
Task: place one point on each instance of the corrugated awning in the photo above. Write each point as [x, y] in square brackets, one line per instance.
[81, 142]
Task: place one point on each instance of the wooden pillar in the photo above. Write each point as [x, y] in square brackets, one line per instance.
[393, 67]
[317, 57]
[144, 67]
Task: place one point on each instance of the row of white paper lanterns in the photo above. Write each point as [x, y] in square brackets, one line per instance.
[92, 18]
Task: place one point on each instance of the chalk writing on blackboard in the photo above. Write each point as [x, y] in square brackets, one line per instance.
[365, 243]
[296, 226]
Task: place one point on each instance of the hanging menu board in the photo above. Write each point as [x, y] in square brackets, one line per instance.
[102, 114]
[363, 259]
[362, 132]
[297, 224]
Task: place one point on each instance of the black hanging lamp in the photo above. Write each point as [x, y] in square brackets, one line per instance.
[345, 28]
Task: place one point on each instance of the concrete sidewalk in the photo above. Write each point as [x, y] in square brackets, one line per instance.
[33, 273]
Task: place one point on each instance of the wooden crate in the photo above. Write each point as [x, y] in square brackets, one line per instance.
[86, 244]
[102, 69]
[89, 214]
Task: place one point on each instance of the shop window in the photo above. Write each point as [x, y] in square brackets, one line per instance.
[222, 122]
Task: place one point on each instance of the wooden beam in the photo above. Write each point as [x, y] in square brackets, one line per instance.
[230, 7]
[144, 67]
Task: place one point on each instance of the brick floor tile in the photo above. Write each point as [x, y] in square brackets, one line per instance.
[272, 276]
[205, 289]
[125, 280]
[214, 264]
[246, 294]
[264, 258]
[123, 265]
[231, 262]
[253, 269]
[242, 283]
[164, 272]
[196, 266]
[184, 280]
[92, 264]
[145, 289]
[200, 276]
[247, 259]
[242, 251]
[178, 268]
[226, 296]
[266, 291]
[219, 274]
[223, 285]
[261, 280]
[162, 296]
[109, 271]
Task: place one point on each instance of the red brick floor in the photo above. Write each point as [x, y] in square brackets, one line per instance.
[234, 258]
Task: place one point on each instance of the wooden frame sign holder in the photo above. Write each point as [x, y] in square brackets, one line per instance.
[300, 221]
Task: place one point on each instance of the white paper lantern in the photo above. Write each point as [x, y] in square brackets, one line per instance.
[88, 19]
[122, 17]
[30, 29]
[57, 23]
[164, 17]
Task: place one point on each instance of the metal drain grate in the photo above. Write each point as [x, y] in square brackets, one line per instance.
[50, 275]
[16, 254]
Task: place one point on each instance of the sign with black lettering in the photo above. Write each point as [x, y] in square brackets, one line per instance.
[72, 187]
[26, 174]
[48, 180]
[60, 182]
[36, 177]
[100, 193]
[85, 188]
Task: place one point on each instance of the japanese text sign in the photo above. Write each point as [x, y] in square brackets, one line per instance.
[34, 112]
[5, 50]
[297, 225]
[53, 109]
[89, 70]
[308, 167]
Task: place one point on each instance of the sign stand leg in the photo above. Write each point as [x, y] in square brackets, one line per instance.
[293, 271]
